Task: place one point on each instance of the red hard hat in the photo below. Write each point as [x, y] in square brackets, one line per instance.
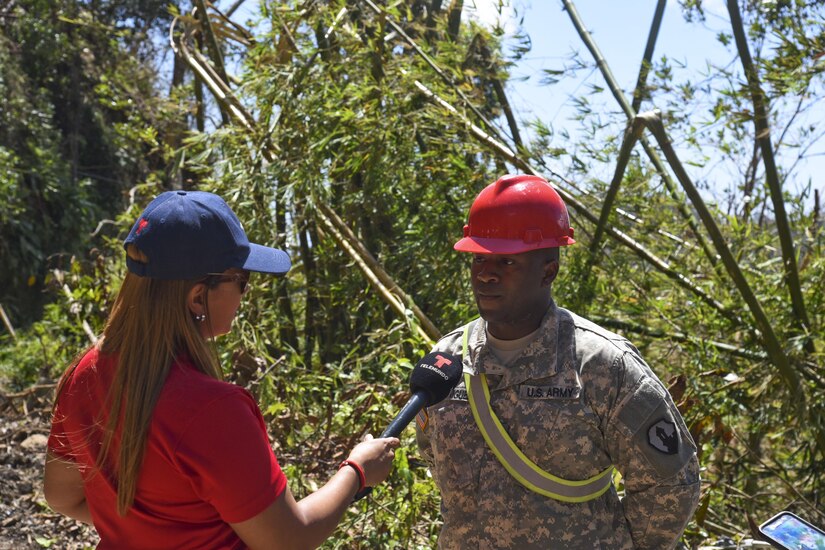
[515, 214]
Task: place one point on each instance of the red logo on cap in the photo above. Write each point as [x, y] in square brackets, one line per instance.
[442, 361]
[141, 225]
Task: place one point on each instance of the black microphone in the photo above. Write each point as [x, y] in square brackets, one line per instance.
[432, 379]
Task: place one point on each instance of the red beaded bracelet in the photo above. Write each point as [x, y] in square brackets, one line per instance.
[362, 478]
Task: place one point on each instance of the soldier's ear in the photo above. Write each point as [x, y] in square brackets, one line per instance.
[551, 269]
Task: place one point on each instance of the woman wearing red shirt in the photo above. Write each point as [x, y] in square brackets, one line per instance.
[148, 443]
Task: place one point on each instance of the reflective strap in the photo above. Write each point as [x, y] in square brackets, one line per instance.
[514, 461]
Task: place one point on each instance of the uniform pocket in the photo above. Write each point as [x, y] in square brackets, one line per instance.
[455, 442]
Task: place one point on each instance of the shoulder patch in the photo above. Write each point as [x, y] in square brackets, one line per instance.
[663, 436]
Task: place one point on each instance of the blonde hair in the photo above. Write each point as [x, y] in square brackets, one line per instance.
[148, 328]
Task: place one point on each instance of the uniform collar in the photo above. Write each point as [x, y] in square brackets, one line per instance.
[543, 357]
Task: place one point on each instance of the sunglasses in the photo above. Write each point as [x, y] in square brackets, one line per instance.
[242, 279]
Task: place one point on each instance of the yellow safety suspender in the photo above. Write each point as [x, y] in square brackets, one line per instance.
[514, 461]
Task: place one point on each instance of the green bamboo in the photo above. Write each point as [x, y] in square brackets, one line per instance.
[421, 53]
[763, 137]
[347, 234]
[367, 264]
[389, 290]
[653, 121]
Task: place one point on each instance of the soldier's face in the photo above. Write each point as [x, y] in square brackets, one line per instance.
[512, 291]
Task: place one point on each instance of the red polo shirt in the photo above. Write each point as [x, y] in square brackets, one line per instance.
[207, 462]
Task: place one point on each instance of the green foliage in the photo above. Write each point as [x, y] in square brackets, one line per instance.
[78, 129]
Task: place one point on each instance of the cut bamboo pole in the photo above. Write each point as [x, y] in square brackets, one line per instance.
[211, 45]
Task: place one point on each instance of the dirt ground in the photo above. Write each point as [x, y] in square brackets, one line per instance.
[26, 522]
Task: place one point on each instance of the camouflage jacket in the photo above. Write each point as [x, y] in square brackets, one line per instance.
[575, 401]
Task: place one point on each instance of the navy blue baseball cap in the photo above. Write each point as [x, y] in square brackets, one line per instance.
[189, 234]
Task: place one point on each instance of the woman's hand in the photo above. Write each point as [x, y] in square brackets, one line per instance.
[375, 456]
[287, 524]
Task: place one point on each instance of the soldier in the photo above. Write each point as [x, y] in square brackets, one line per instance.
[524, 449]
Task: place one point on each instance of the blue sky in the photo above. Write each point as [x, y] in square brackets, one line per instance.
[619, 28]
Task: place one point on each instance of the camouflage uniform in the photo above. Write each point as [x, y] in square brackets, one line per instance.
[575, 401]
